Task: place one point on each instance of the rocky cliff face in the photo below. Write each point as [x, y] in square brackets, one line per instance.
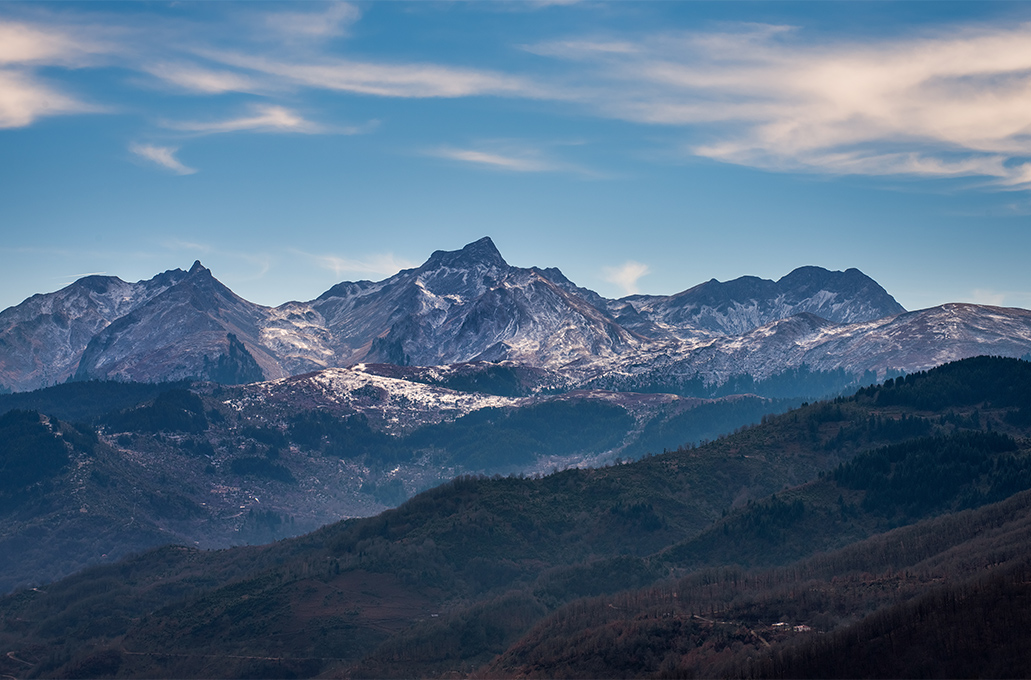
[459, 306]
[197, 328]
[42, 339]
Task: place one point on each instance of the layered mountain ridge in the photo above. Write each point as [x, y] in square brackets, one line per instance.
[466, 305]
[470, 305]
[748, 302]
[197, 328]
[42, 339]
[897, 519]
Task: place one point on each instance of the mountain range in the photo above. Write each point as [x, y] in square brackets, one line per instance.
[470, 305]
[376, 394]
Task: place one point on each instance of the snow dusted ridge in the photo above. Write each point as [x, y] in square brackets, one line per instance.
[392, 404]
[398, 405]
[42, 339]
[912, 341]
[747, 303]
[197, 328]
[464, 306]
[469, 306]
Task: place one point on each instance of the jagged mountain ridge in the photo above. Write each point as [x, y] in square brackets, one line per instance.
[42, 339]
[746, 303]
[459, 306]
[197, 328]
[467, 305]
[470, 305]
[908, 342]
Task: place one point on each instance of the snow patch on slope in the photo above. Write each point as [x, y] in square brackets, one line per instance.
[392, 404]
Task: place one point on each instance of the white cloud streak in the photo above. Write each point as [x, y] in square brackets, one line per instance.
[24, 96]
[76, 277]
[163, 156]
[626, 275]
[413, 80]
[179, 244]
[26, 44]
[330, 23]
[948, 105]
[508, 155]
[201, 80]
[266, 118]
[553, 3]
[379, 264]
[495, 160]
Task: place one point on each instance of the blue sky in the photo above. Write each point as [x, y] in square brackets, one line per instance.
[638, 146]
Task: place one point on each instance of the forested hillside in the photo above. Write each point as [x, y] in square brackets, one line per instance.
[209, 466]
[860, 518]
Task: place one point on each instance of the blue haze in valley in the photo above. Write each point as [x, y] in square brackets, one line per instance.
[640, 147]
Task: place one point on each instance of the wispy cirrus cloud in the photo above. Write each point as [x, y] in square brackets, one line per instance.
[950, 104]
[498, 161]
[626, 275]
[24, 48]
[513, 156]
[194, 78]
[250, 72]
[164, 156]
[265, 118]
[193, 246]
[331, 22]
[380, 264]
[405, 80]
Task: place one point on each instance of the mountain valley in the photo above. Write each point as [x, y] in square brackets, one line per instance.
[850, 517]
[225, 465]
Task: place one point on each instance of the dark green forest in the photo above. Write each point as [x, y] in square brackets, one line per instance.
[798, 383]
[175, 410]
[30, 453]
[85, 401]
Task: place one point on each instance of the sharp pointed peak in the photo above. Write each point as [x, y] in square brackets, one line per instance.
[482, 251]
[198, 268]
